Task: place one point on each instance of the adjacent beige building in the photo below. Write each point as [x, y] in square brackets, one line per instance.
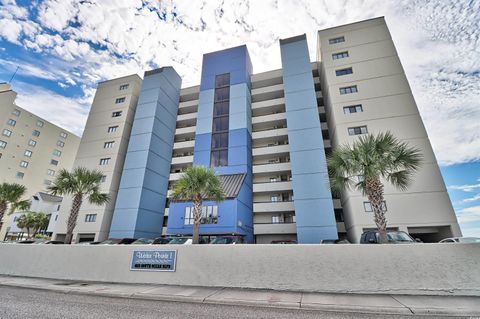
[32, 150]
[366, 91]
[103, 147]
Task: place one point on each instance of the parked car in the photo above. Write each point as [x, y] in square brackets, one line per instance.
[461, 240]
[52, 242]
[394, 237]
[27, 241]
[180, 241]
[334, 241]
[143, 241]
[89, 243]
[162, 240]
[228, 240]
[283, 242]
[118, 241]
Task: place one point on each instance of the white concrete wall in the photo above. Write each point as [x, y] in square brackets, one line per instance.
[419, 268]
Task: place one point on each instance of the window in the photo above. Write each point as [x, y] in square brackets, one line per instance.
[24, 164]
[219, 158]
[56, 217]
[63, 135]
[222, 94]
[120, 100]
[219, 140]
[3, 144]
[276, 219]
[16, 112]
[36, 133]
[104, 161]
[103, 178]
[60, 143]
[40, 123]
[220, 124]
[348, 90]
[336, 40]
[124, 87]
[368, 206]
[343, 71]
[50, 172]
[357, 130]
[90, 218]
[108, 144]
[220, 108]
[219, 143]
[222, 80]
[340, 55]
[112, 129]
[54, 162]
[20, 175]
[47, 182]
[209, 215]
[32, 143]
[353, 109]
[57, 152]
[7, 132]
[117, 114]
[28, 153]
[11, 122]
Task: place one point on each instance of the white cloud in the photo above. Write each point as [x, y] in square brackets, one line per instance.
[465, 187]
[472, 199]
[469, 215]
[69, 113]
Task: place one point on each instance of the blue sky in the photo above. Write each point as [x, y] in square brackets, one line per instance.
[64, 47]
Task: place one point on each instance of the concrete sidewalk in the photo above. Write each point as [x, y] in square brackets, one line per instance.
[359, 303]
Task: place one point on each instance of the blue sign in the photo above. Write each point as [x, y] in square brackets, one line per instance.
[154, 260]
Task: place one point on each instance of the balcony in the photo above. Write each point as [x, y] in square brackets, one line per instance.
[272, 168]
[185, 130]
[270, 150]
[269, 118]
[273, 207]
[278, 228]
[184, 145]
[187, 117]
[267, 93]
[182, 160]
[267, 105]
[272, 187]
[174, 177]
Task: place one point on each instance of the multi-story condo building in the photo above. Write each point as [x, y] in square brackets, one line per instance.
[32, 149]
[267, 136]
[103, 147]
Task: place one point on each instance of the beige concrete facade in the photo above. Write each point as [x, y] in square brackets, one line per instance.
[387, 103]
[106, 136]
[32, 150]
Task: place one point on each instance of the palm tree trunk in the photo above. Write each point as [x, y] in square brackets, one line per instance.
[374, 190]
[3, 209]
[197, 218]
[72, 219]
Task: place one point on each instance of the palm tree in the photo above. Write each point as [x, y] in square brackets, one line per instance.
[41, 222]
[376, 159]
[197, 184]
[10, 195]
[27, 221]
[81, 183]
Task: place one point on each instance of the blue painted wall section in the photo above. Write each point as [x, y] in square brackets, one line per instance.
[143, 187]
[235, 215]
[313, 203]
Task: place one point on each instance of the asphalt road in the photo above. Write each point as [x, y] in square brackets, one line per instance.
[30, 303]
